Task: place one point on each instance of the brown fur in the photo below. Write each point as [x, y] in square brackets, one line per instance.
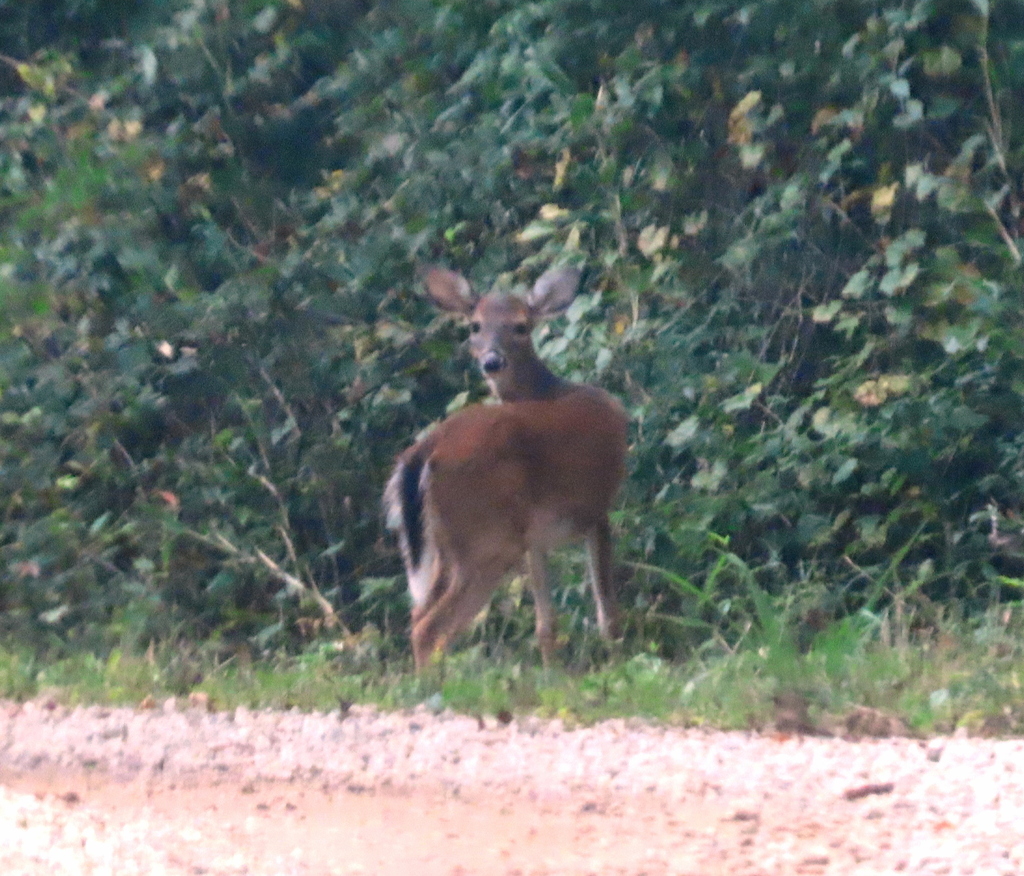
[493, 485]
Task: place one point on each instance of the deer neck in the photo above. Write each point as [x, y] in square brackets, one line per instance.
[530, 381]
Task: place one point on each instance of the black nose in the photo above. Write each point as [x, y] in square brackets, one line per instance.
[492, 362]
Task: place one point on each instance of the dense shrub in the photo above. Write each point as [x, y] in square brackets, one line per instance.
[801, 224]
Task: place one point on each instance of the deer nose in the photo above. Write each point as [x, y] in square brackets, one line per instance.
[492, 362]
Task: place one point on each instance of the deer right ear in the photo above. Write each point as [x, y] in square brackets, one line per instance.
[450, 291]
[554, 291]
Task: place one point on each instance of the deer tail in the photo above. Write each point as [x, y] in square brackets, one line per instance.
[405, 507]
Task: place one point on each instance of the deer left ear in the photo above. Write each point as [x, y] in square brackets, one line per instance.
[554, 291]
[450, 291]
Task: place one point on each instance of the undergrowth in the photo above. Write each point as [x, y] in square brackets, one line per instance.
[936, 678]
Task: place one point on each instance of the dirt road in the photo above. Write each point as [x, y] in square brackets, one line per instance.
[184, 791]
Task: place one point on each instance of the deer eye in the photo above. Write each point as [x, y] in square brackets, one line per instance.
[474, 327]
[521, 329]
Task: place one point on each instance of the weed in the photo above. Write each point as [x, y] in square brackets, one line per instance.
[931, 679]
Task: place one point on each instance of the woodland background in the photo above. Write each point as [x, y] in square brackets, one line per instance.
[801, 224]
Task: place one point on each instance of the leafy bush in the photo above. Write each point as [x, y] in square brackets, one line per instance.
[802, 228]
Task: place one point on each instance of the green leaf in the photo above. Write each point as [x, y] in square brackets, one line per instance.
[912, 113]
[710, 479]
[683, 433]
[825, 313]
[899, 279]
[743, 400]
[858, 284]
[582, 110]
[941, 62]
[844, 471]
[900, 89]
[900, 248]
[536, 230]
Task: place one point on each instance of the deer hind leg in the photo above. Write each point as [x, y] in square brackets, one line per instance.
[602, 580]
[543, 607]
[439, 583]
[467, 592]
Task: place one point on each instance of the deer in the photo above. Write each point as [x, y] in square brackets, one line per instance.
[497, 485]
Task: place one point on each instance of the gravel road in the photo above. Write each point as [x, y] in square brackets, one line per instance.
[177, 789]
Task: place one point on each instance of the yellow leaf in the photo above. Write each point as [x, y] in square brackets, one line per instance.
[552, 212]
[822, 117]
[894, 384]
[652, 239]
[200, 182]
[333, 182]
[872, 393]
[572, 242]
[154, 170]
[695, 223]
[741, 131]
[751, 155]
[746, 104]
[882, 200]
[535, 231]
[562, 168]
[124, 132]
[868, 394]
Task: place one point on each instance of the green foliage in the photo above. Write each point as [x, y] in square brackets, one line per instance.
[802, 229]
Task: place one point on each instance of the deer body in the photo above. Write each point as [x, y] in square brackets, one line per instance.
[493, 485]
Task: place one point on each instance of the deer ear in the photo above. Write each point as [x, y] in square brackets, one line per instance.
[449, 290]
[554, 291]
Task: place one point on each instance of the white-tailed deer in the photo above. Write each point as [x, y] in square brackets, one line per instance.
[493, 485]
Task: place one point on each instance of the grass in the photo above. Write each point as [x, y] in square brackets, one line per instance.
[956, 675]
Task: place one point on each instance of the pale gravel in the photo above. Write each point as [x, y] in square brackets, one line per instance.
[956, 805]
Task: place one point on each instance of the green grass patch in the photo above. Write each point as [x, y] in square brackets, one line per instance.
[931, 680]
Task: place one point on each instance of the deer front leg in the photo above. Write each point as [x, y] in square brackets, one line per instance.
[542, 606]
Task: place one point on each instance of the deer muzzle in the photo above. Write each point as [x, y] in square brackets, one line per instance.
[492, 362]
